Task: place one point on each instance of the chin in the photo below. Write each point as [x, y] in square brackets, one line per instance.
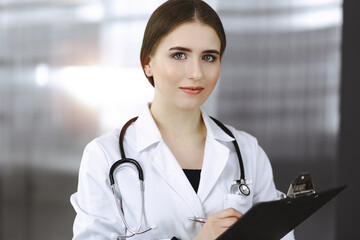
[191, 104]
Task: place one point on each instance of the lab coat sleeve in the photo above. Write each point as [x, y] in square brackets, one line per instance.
[94, 202]
[265, 189]
[264, 183]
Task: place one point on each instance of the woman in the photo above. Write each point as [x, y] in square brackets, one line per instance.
[188, 161]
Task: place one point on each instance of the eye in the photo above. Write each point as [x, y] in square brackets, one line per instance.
[179, 55]
[209, 58]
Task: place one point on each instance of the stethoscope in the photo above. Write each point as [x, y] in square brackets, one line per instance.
[238, 187]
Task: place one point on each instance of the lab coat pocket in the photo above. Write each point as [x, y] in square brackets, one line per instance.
[153, 234]
[240, 202]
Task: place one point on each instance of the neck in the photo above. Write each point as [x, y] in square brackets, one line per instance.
[177, 122]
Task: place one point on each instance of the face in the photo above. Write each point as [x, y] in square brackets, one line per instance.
[185, 66]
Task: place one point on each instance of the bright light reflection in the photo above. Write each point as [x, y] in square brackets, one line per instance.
[42, 74]
[319, 19]
[118, 93]
[92, 12]
[305, 20]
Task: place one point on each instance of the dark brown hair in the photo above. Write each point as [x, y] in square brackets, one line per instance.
[171, 14]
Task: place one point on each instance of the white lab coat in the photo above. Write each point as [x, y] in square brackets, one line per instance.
[169, 197]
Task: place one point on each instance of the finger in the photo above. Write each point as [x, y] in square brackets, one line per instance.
[228, 222]
[228, 212]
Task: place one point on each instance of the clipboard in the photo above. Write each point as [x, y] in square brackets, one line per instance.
[273, 220]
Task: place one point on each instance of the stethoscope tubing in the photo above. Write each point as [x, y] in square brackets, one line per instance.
[113, 168]
[124, 159]
[236, 145]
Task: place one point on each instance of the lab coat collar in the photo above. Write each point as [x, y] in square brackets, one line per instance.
[148, 133]
[215, 158]
[214, 131]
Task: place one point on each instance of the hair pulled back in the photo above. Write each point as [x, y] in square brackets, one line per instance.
[171, 14]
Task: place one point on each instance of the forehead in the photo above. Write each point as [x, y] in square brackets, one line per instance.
[193, 35]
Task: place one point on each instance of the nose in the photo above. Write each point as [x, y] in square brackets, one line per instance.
[195, 71]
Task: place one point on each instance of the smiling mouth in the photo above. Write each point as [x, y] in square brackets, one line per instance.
[192, 90]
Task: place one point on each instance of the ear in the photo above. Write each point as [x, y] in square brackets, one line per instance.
[148, 71]
[147, 68]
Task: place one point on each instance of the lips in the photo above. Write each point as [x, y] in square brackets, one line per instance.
[192, 90]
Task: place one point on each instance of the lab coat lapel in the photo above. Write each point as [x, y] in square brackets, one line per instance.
[216, 156]
[170, 170]
[164, 161]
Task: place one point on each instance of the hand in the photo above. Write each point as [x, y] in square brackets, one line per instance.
[218, 223]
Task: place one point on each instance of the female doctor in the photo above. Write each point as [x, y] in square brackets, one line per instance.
[189, 163]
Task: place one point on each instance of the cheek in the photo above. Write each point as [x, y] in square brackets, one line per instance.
[212, 74]
[168, 72]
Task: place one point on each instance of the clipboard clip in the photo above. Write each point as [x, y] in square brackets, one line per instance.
[301, 186]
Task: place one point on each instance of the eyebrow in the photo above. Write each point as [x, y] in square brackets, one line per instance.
[189, 50]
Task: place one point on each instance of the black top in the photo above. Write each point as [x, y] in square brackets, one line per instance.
[193, 176]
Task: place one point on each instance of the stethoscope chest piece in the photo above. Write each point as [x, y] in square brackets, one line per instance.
[240, 187]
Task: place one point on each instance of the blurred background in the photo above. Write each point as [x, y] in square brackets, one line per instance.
[68, 73]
